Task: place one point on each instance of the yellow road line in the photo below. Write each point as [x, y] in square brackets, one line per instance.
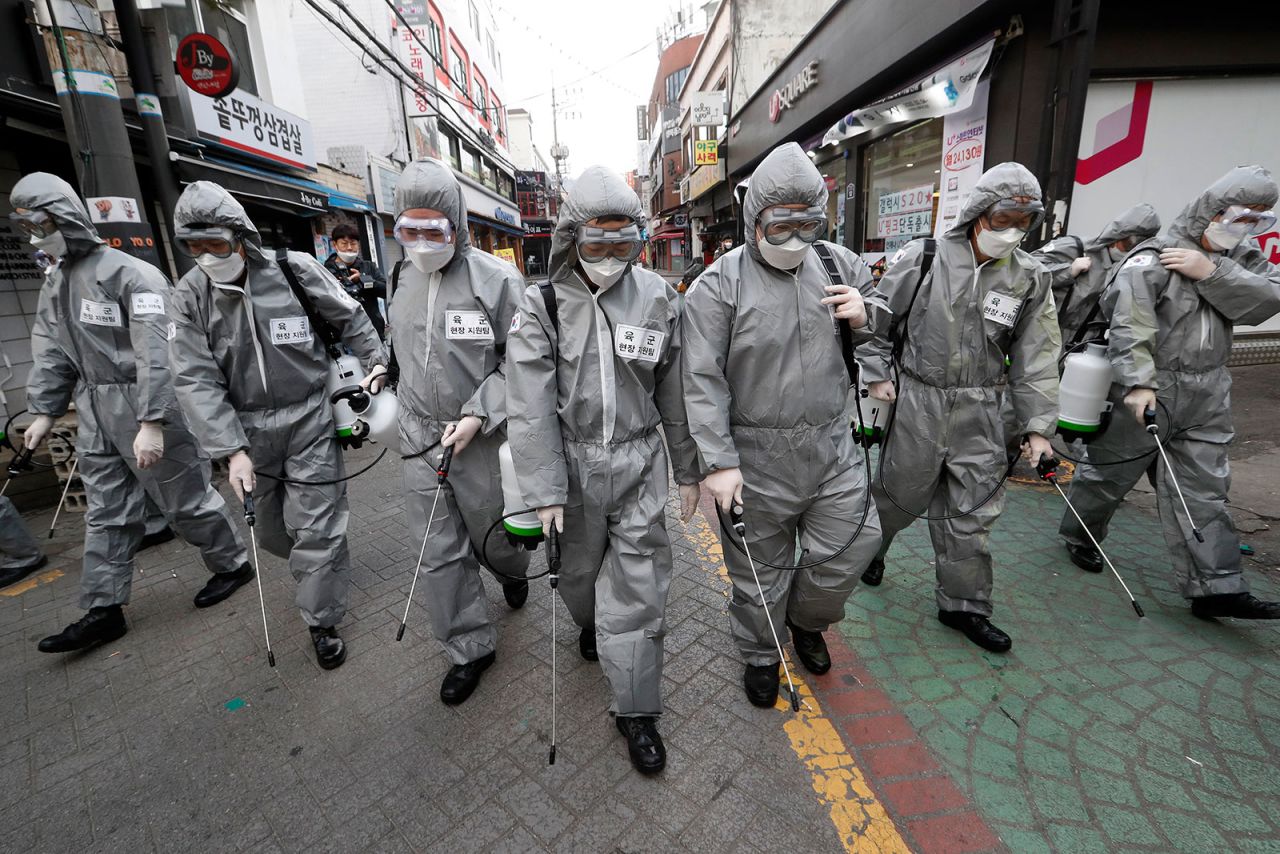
[859, 818]
[32, 583]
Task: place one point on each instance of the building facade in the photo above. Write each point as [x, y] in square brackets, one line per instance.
[670, 245]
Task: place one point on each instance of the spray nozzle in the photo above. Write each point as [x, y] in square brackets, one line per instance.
[249, 516]
[1047, 467]
[446, 460]
[21, 462]
[1149, 419]
[735, 516]
[553, 554]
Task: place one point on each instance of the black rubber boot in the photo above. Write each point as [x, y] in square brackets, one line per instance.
[330, 650]
[1242, 606]
[587, 644]
[222, 585]
[976, 628]
[516, 593]
[761, 684]
[874, 573]
[15, 574]
[648, 753]
[1087, 557]
[160, 537]
[99, 625]
[811, 648]
[462, 679]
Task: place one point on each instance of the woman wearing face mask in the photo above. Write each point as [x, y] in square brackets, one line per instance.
[358, 276]
[979, 327]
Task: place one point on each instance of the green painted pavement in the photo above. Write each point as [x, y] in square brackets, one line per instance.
[1099, 731]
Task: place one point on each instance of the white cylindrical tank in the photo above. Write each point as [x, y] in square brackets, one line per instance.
[874, 416]
[523, 528]
[382, 418]
[344, 371]
[1082, 392]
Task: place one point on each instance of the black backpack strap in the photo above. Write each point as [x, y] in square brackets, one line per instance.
[1079, 244]
[846, 334]
[393, 367]
[549, 300]
[898, 329]
[328, 335]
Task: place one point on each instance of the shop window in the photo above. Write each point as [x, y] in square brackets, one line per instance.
[474, 15]
[226, 20]
[507, 188]
[833, 175]
[900, 187]
[435, 43]
[451, 144]
[458, 70]
[674, 82]
[489, 175]
[480, 97]
[470, 162]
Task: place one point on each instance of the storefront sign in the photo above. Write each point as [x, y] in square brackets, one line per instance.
[703, 179]
[504, 216]
[706, 109]
[964, 142]
[784, 99]
[207, 66]
[642, 121]
[488, 204]
[907, 201]
[247, 123]
[670, 130]
[905, 224]
[706, 152]
[385, 175]
[112, 209]
[508, 255]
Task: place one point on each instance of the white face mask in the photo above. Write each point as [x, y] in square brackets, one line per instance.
[221, 270]
[54, 245]
[788, 256]
[999, 244]
[430, 257]
[604, 273]
[1116, 255]
[1220, 237]
[348, 257]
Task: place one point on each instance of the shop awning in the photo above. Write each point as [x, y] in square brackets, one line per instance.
[668, 234]
[518, 231]
[300, 196]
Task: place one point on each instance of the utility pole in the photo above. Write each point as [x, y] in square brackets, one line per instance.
[558, 151]
[90, 102]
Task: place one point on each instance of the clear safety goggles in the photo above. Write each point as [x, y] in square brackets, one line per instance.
[597, 244]
[411, 231]
[1245, 220]
[34, 223]
[1011, 213]
[779, 224]
[194, 241]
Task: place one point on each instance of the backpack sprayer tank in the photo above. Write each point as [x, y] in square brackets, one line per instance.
[523, 528]
[1083, 407]
[357, 414]
[874, 418]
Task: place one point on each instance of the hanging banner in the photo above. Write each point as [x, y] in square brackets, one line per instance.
[964, 144]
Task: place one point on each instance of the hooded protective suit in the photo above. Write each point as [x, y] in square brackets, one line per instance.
[245, 385]
[584, 407]
[1173, 334]
[766, 388]
[1076, 296]
[18, 549]
[100, 333]
[450, 334]
[946, 451]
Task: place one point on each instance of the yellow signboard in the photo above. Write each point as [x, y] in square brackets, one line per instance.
[706, 152]
[506, 254]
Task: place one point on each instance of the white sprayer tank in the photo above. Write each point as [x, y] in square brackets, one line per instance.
[1082, 392]
[522, 525]
[344, 371]
[874, 415]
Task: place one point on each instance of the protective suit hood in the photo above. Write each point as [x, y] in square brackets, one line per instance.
[1002, 181]
[597, 192]
[1140, 221]
[1243, 185]
[785, 177]
[430, 183]
[206, 202]
[49, 193]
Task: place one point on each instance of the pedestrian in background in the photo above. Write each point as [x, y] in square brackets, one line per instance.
[358, 276]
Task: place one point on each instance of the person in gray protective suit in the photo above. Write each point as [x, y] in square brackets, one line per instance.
[592, 372]
[250, 373]
[1172, 306]
[451, 308]
[1081, 269]
[20, 555]
[99, 335]
[766, 386]
[980, 325]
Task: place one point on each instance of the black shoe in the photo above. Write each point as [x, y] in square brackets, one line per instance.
[761, 682]
[100, 625]
[17, 573]
[222, 585]
[1087, 557]
[1243, 606]
[516, 593]
[587, 644]
[462, 679]
[648, 753]
[811, 649]
[874, 573]
[330, 650]
[160, 537]
[976, 628]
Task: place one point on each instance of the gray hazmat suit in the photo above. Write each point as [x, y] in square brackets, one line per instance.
[584, 407]
[1172, 334]
[1076, 296]
[766, 388]
[100, 334]
[246, 386]
[449, 331]
[18, 549]
[945, 451]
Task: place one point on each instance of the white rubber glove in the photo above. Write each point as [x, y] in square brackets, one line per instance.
[148, 445]
[1036, 448]
[547, 515]
[458, 434]
[883, 390]
[1081, 265]
[1138, 401]
[848, 305]
[1192, 263]
[726, 486]
[376, 379]
[241, 474]
[689, 495]
[37, 431]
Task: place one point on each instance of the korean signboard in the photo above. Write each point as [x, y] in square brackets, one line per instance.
[207, 66]
[670, 130]
[248, 124]
[706, 109]
[905, 212]
[642, 122]
[706, 152]
[964, 142]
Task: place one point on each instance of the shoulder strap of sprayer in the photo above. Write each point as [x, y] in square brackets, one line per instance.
[393, 367]
[328, 335]
[1071, 288]
[846, 334]
[1093, 317]
[549, 300]
[898, 328]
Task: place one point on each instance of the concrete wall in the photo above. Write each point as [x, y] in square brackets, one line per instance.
[282, 84]
[764, 33]
[520, 141]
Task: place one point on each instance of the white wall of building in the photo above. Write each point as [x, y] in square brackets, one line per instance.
[282, 84]
[520, 144]
[764, 33]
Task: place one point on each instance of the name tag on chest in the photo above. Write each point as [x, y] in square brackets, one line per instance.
[148, 304]
[635, 342]
[467, 326]
[100, 313]
[290, 330]
[1001, 308]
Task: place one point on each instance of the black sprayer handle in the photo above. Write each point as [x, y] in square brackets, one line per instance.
[553, 552]
[1149, 419]
[442, 472]
[1047, 468]
[735, 517]
[249, 516]
[21, 463]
